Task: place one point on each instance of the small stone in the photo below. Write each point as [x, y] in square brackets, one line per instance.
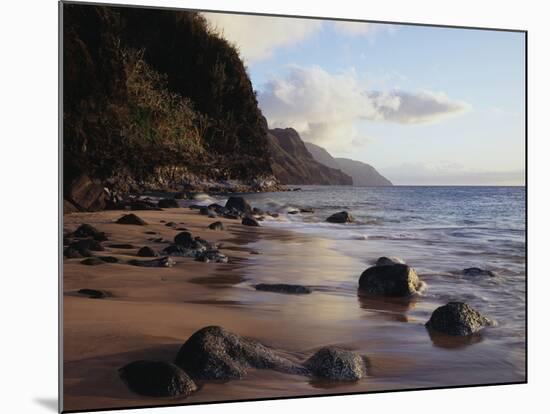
[131, 219]
[217, 225]
[147, 251]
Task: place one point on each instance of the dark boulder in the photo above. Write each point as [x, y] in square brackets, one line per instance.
[390, 280]
[184, 239]
[205, 211]
[147, 251]
[217, 208]
[108, 259]
[94, 293]
[217, 225]
[157, 379]
[385, 261]
[212, 353]
[476, 271]
[168, 203]
[160, 262]
[92, 261]
[239, 204]
[87, 230]
[171, 224]
[84, 246]
[121, 246]
[337, 364]
[131, 219]
[72, 253]
[250, 221]
[457, 318]
[341, 217]
[69, 207]
[283, 288]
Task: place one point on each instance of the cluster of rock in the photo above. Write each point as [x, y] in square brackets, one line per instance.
[392, 277]
[213, 353]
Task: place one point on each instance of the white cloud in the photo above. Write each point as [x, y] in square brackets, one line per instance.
[257, 37]
[325, 108]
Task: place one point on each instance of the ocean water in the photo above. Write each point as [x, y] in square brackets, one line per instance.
[437, 230]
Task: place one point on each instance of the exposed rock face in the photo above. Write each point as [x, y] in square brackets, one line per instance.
[217, 225]
[168, 203]
[239, 204]
[362, 174]
[161, 262]
[337, 364]
[131, 219]
[250, 221]
[457, 318]
[212, 353]
[87, 230]
[147, 251]
[283, 288]
[476, 271]
[390, 280]
[385, 261]
[341, 217]
[86, 194]
[157, 379]
[292, 163]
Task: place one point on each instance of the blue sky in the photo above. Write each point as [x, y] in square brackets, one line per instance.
[423, 105]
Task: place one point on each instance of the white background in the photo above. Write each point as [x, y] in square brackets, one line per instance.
[28, 223]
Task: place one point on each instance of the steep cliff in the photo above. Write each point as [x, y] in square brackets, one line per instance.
[292, 163]
[363, 174]
[155, 96]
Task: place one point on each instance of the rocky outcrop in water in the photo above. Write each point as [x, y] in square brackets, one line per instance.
[341, 217]
[283, 288]
[337, 364]
[388, 261]
[390, 280]
[157, 379]
[457, 318]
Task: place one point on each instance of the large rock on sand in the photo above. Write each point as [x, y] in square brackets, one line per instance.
[131, 219]
[87, 230]
[390, 280]
[147, 251]
[217, 225]
[457, 318]
[212, 353]
[341, 217]
[157, 379]
[337, 364]
[86, 194]
[239, 204]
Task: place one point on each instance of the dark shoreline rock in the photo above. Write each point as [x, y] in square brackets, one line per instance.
[239, 204]
[157, 379]
[337, 364]
[390, 280]
[87, 230]
[341, 218]
[212, 353]
[458, 319]
[147, 251]
[161, 262]
[131, 219]
[250, 221]
[283, 288]
[217, 225]
[476, 271]
[94, 293]
[121, 246]
[385, 261]
[168, 203]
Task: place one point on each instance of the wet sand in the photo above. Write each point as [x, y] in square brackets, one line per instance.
[154, 310]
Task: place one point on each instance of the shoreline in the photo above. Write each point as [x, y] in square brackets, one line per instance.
[154, 310]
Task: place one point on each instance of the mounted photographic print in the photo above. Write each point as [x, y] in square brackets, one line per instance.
[261, 207]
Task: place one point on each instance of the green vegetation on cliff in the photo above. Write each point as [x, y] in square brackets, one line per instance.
[145, 89]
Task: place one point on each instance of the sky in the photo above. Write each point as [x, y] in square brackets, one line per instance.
[423, 105]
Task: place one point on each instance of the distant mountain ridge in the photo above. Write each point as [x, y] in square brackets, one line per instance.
[362, 174]
[292, 163]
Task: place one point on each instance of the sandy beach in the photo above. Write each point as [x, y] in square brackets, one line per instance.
[152, 311]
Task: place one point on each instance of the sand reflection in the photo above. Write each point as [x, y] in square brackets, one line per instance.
[394, 309]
